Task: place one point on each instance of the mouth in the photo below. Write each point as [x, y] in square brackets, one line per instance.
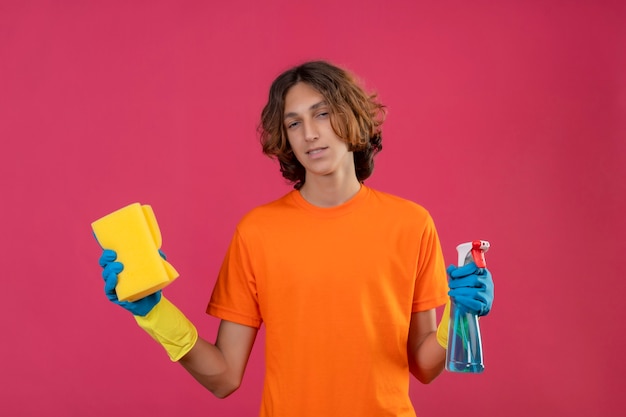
[315, 151]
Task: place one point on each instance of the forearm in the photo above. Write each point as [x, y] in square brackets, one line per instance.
[206, 363]
[220, 367]
[166, 324]
[426, 354]
[427, 360]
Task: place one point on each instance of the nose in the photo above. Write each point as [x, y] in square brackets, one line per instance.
[310, 131]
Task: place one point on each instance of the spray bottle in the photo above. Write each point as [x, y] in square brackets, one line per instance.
[465, 353]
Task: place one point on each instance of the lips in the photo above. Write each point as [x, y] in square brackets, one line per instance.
[315, 151]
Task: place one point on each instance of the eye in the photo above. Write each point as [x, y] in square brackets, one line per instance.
[323, 114]
[292, 124]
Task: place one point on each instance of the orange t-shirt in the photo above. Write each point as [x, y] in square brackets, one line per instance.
[335, 288]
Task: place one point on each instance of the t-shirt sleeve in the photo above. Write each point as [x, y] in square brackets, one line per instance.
[431, 283]
[234, 296]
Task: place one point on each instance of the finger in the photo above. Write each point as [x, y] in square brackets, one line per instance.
[154, 298]
[107, 257]
[485, 299]
[110, 282]
[484, 311]
[112, 268]
[469, 304]
[464, 292]
[473, 293]
[469, 281]
[128, 305]
[485, 276]
[112, 296]
[485, 283]
[463, 271]
[478, 303]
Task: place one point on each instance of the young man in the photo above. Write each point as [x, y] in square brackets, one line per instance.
[345, 278]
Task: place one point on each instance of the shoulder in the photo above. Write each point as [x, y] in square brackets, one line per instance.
[268, 213]
[396, 204]
[398, 213]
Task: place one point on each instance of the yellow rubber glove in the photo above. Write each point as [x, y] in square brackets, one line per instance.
[442, 329]
[169, 326]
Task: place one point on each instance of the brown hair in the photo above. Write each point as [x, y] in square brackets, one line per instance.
[355, 116]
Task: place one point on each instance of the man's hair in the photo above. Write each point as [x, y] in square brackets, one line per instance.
[355, 116]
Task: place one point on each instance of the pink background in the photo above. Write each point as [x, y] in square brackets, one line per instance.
[506, 120]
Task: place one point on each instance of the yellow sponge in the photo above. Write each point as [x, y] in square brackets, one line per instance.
[134, 234]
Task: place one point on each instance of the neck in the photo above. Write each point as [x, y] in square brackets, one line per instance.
[330, 191]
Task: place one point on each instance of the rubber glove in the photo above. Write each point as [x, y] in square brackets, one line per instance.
[471, 288]
[442, 328]
[163, 321]
[111, 269]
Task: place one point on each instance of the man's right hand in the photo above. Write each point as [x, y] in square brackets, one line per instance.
[110, 271]
[167, 325]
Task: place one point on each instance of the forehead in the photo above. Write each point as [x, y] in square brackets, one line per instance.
[301, 97]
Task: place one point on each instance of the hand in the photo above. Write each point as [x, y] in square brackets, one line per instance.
[110, 271]
[471, 288]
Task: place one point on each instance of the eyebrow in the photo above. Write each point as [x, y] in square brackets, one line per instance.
[313, 107]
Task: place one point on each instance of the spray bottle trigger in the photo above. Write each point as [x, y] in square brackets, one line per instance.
[479, 247]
